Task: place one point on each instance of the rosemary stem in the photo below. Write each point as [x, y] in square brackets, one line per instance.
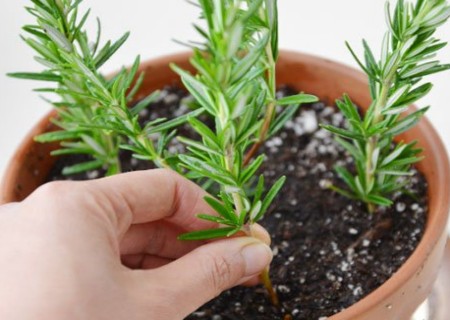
[265, 276]
[112, 150]
[148, 146]
[267, 282]
[237, 198]
[373, 141]
[270, 113]
[263, 133]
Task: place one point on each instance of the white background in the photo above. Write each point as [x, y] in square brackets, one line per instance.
[319, 27]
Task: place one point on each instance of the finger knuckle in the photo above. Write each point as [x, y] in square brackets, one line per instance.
[158, 239]
[51, 188]
[166, 173]
[53, 191]
[219, 271]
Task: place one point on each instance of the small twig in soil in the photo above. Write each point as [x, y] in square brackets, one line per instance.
[373, 233]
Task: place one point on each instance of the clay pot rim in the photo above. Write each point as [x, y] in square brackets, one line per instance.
[436, 222]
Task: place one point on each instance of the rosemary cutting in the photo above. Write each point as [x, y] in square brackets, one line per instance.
[93, 112]
[235, 84]
[408, 55]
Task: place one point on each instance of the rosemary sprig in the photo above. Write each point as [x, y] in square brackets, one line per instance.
[408, 55]
[93, 111]
[236, 86]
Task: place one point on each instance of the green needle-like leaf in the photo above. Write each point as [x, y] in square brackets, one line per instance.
[271, 196]
[109, 51]
[81, 167]
[141, 105]
[209, 234]
[58, 135]
[222, 210]
[297, 99]
[43, 76]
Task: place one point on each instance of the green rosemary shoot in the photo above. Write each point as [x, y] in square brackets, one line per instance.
[93, 111]
[408, 55]
[235, 84]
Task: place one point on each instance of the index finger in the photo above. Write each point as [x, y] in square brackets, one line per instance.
[146, 196]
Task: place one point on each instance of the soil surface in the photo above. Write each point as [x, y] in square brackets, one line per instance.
[328, 251]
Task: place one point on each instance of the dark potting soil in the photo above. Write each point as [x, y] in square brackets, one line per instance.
[328, 251]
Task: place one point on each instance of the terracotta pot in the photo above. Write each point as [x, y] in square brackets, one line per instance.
[410, 285]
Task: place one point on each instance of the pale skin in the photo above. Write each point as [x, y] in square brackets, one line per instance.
[108, 249]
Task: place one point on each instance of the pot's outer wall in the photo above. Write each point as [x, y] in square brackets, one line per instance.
[406, 289]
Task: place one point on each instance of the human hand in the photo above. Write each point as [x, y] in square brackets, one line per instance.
[108, 249]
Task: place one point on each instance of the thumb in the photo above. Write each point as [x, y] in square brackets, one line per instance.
[204, 273]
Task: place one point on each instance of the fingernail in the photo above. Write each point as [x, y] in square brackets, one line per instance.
[257, 256]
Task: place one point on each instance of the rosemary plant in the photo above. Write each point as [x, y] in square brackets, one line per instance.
[408, 55]
[93, 112]
[235, 84]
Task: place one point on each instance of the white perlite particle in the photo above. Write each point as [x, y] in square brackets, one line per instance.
[309, 121]
[134, 162]
[357, 291]
[322, 134]
[327, 111]
[143, 113]
[320, 167]
[170, 98]
[283, 289]
[334, 245]
[285, 244]
[275, 251]
[325, 183]
[322, 149]
[331, 277]
[352, 231]
[344, 266]
[275, 142]
[93, 174]
[337, 119]
[400, 207]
